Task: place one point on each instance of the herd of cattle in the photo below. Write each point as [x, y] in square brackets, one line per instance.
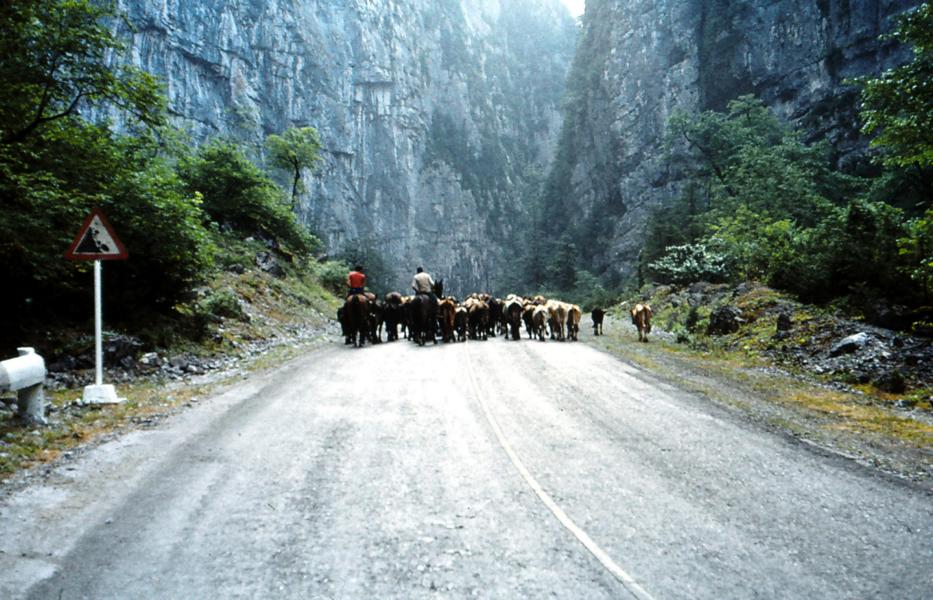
[422, 318]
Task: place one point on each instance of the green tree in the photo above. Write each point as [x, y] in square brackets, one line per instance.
[530, 239]
[54, 166]
[897, 106]
[54, 58]
[747, 157]
[917, 248]
[294, 151]
[563, 268]
[240, 196]
[51, 185]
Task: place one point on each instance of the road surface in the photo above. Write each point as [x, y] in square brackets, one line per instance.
[486, 469]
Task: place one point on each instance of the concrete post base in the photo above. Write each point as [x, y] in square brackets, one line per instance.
[101, 394]
[31, 404]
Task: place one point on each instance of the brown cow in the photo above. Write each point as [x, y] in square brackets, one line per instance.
[573, 322]
[527, 312]
[478, 318]
[461, 321]
[641, 317]
[539, 319]
[557, 312]
[394, 315]
[446, 313]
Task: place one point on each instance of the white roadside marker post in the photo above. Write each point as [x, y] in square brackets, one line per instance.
[99, 393]
[97, 241]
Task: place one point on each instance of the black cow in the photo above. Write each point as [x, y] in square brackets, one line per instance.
[597, 316]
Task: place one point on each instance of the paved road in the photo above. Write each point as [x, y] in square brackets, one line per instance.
[491, 470]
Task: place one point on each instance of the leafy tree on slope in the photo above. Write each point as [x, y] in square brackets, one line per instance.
[294, 151]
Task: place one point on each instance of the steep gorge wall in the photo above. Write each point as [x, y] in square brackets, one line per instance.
[639, 61]
[430, 111]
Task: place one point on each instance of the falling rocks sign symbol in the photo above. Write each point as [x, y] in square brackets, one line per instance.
[96, 240]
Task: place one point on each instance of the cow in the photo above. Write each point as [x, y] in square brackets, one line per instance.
[446, 314]
[343, 324]
[461, 322]
[573, 322]
[405, 322]
[376, 319]
[527, 312]
[597, 316]
[494, 324]
[539, 319]
[557, 311]
[478, 318]
[641, 317]
[513, 317]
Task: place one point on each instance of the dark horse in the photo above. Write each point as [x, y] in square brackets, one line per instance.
[394, 315]
[423, 312]
[356, 319]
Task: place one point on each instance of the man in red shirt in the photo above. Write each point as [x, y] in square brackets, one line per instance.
[356, 281]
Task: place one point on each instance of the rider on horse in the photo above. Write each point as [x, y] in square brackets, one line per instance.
[356, 281]
[423, 284]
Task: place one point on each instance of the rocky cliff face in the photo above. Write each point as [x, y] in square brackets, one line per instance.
[430, 111]
[638, 61]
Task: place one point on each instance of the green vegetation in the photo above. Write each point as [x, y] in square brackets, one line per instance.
[294, 151]
[53, 64]
[760, 204]
[181, 214]
[241, 198]
[898, 105]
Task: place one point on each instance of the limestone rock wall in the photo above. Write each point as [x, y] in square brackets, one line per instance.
[639, 60]
[430, 111]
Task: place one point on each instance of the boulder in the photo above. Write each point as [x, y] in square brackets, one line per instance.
[850, 344]
[267, 262]
[784, 322]
[151, 359]
[891, 381]
[118, 346]
[725, 319]
[179, 362]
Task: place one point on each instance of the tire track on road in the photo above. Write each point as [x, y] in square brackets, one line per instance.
[627, 581]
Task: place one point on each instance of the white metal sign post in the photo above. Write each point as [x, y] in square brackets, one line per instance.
[97, 241]
[98, 327]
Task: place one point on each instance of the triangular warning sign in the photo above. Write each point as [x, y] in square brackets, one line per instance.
[96, 240]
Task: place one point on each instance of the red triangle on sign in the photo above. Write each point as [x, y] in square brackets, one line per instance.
[96, 240]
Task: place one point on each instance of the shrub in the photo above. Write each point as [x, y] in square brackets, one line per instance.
[333, 275]
[691, 262]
